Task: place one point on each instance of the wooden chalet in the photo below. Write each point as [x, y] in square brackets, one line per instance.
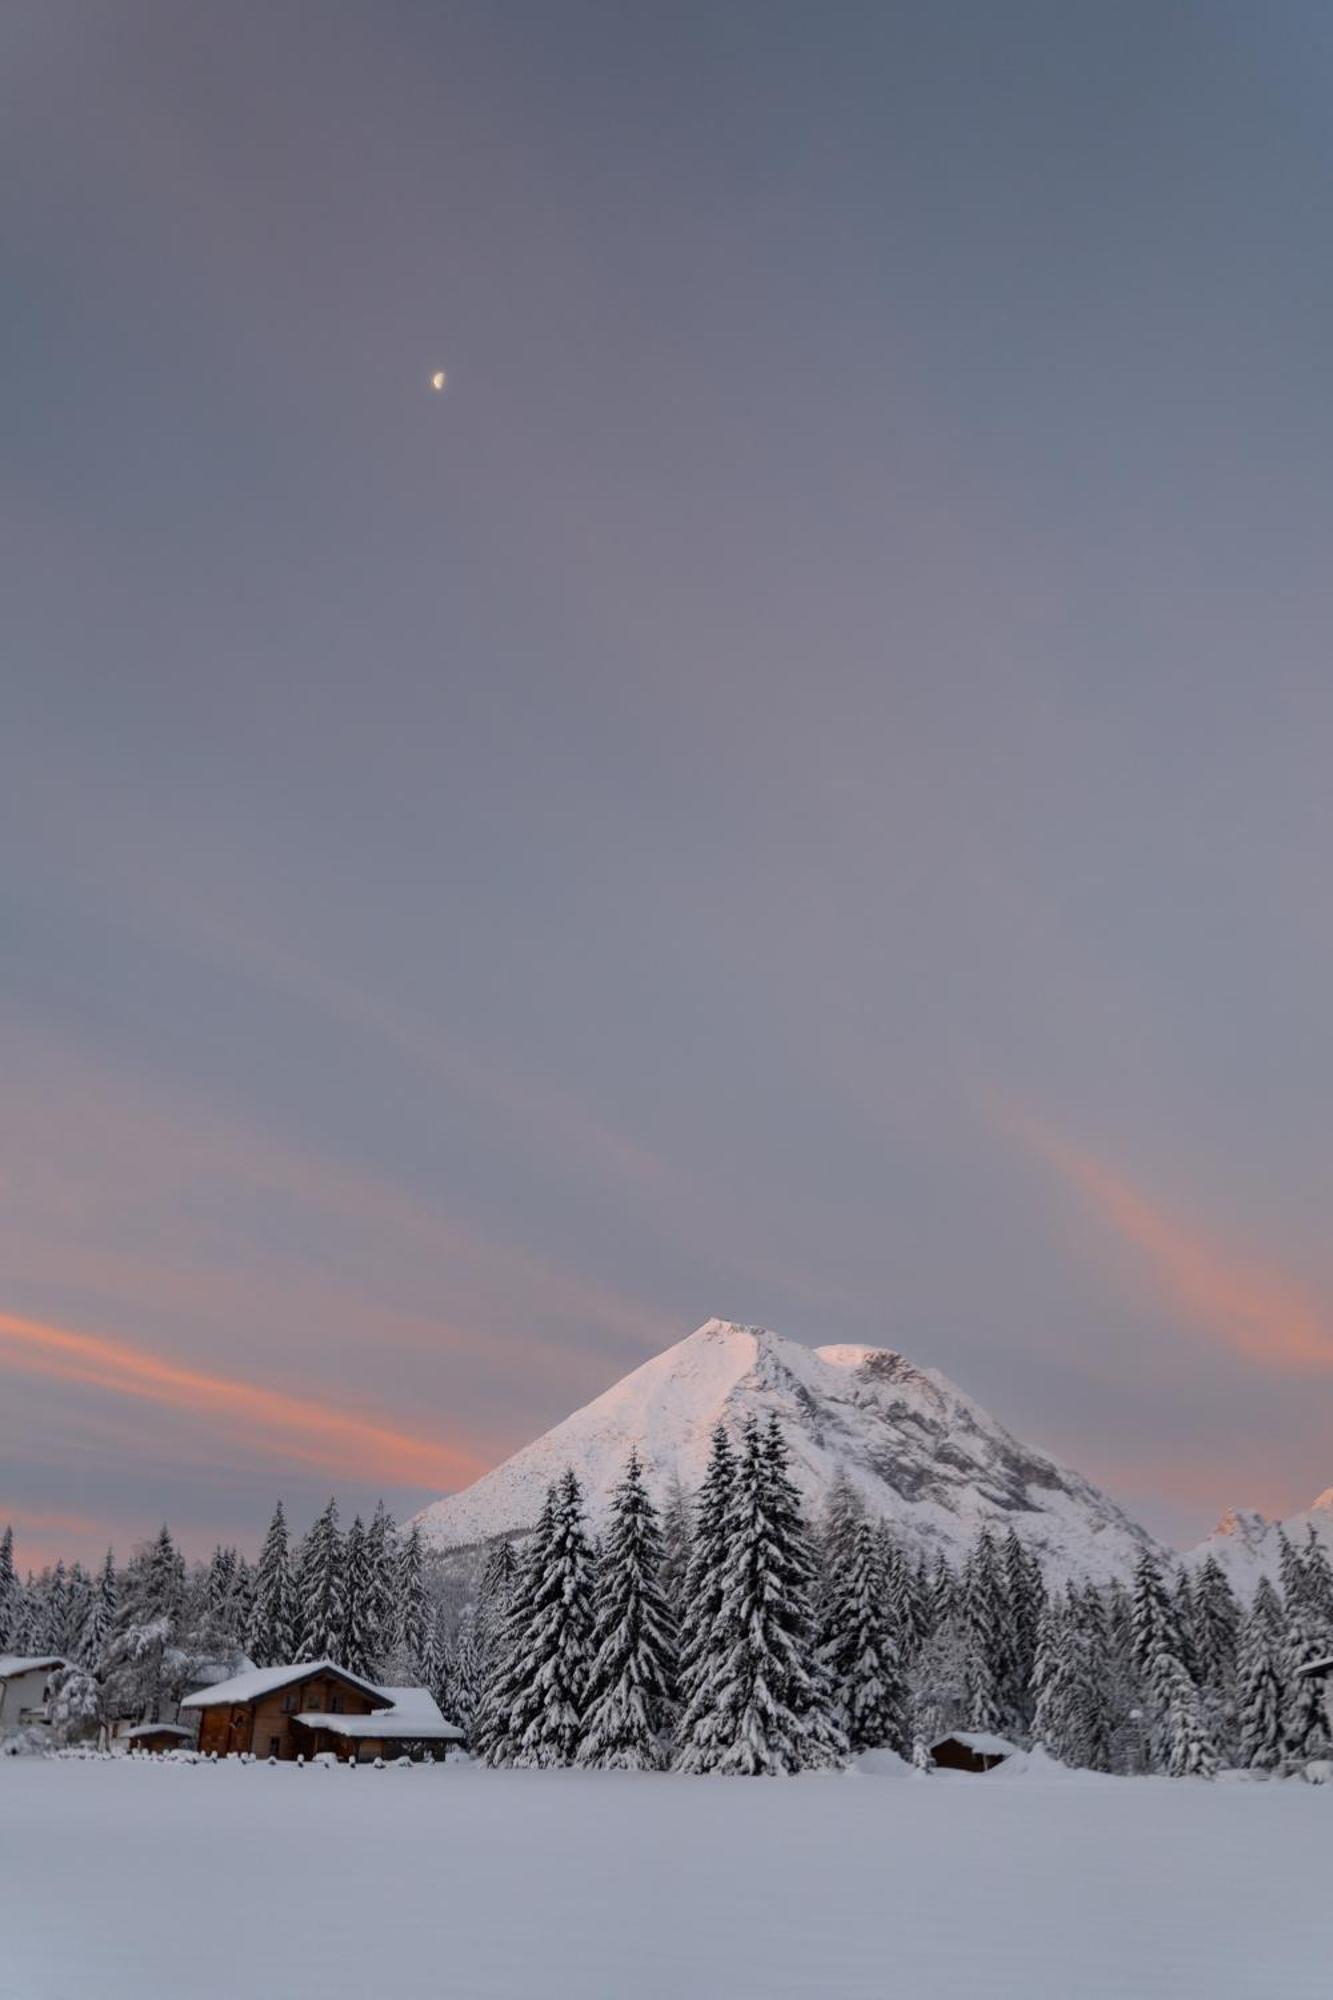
[970, 1750]
[314, 1708]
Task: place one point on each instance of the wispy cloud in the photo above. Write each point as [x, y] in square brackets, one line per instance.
[1250, 1307]
[289, 1427]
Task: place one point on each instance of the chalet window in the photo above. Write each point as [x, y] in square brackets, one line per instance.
[291, 1702]
[314, 1703]
[335, 1704]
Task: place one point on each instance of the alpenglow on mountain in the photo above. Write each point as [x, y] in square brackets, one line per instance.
[921, 1453]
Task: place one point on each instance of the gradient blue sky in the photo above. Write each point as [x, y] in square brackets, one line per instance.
[797, 789]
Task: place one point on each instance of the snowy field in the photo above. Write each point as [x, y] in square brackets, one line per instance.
[201, 1882]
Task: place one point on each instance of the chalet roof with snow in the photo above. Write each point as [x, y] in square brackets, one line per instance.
[980, 1740]
[12, 1665]
[242, 1689]
[414, 1718]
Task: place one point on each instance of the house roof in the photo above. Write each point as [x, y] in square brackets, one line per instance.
[414, 1718]
[242, 1688]
[152, 1729]
[980, 1740]
[1317, 1666]
[12, 1664]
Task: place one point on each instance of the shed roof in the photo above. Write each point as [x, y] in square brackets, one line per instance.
[152, 1729]
[254, 1686]
[980, 1740]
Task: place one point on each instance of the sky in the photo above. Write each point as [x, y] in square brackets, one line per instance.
[796, 789]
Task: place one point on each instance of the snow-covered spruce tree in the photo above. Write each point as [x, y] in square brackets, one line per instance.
[217, 1617]
[986, 1656]
[144, 1660]
[1157, 1652]
[699, 1644]
[430, 1668]
[1216, 1637]
[831, 1546]
[1304, 1716]
[860, 1649]
[1153, 1614]
[1182, 1604]
[1025, 1593]
[1051, 1680]
[1291, 1573]
[412, 1602]
[507, 1610]
[9, 1589]
[100, 1622]
[77, 1609]
[843, 1511]
[944, 1593]
[1317, 1577]
[1093, 1715]
[1189, 1751]
[631, 1682]
[463, 1674]
[76, 1702]
[54, 1592]
[220, 1582]
[1259, 1683]
[1181, 1742]
[270, 1636]
[939, 1678]
[495, 1595]
[677, 1536]
[358, 1608]
[766, 1684]
[553, 1658]
[908, 1615]
[381, 1609]
[320, 1607]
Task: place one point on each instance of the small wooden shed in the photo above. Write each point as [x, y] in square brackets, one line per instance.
[155, 1736]
[970, 1750]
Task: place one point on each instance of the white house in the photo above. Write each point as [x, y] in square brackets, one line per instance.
[24, 1686]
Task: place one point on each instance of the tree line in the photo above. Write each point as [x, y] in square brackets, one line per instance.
[722, 1634]
[138, 1638]
[736, 1639]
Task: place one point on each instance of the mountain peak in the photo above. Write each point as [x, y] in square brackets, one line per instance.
[1248, 1545]
[922, 1455]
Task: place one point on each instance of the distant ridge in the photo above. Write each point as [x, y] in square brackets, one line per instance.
[923, 1455]
[1248, 1545]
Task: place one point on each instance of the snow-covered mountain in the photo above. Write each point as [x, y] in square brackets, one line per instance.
[1248, 1544]
[922, 1453]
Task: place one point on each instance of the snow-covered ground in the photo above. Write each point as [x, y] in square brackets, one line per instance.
[199, 1882]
